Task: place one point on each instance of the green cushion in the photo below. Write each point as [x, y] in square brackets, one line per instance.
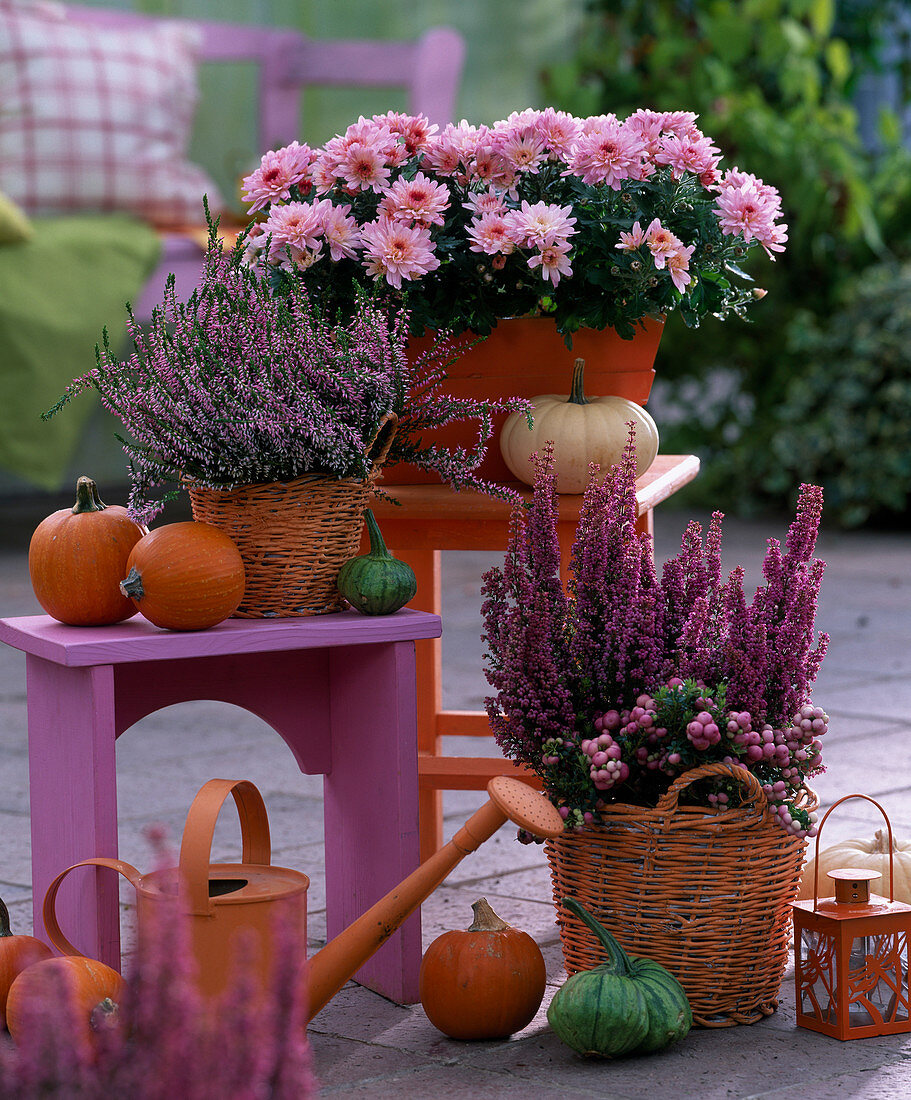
[14, 225]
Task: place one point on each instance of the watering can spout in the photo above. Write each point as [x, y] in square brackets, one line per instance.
[510, 800]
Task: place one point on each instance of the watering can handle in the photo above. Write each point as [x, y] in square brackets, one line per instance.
[49, 911]
[196, 845]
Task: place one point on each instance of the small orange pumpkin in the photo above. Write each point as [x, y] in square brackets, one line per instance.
[486, 982]
[85, 982]
[16, 953]
[77, 557]
[185, 576]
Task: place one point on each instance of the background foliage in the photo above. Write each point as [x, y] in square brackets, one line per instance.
[774, 82]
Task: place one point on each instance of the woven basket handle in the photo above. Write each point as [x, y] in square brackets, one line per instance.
[49, 911]
[667, 804]
[196, 844]
[382, 437]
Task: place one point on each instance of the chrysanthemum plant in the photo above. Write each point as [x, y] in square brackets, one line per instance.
[238, 385]
[611, 690]
[597, 222]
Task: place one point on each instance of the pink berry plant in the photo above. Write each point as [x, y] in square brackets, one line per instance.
[239, 385]
[612, 689]
[595, 221]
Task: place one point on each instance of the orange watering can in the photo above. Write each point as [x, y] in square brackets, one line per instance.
[224, 899]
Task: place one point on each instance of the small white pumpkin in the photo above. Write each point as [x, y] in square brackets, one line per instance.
[871, 854]
[583, 430]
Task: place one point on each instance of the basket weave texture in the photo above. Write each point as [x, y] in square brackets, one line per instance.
[706, 893]
[293, 536]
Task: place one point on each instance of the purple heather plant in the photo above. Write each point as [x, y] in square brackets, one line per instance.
[613, 689]
[239, 385]
[165, 1041]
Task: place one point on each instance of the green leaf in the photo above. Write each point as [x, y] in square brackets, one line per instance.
[838, 60]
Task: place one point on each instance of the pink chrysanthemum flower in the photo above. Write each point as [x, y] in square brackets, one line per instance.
[485, 202]
[296, 224]
[629, 242]
[339, 229]
[750, 209]
[559, 131]
[689, 154]
[454, 147]
[661, 243]
[415, 131]
[648, 125]
[491, 234]
[521, 147]
[553, 261]
[541, 224]
[608, 154]
[486, 165]
[364, 167]
[397, 251]
[681, 123]
[420, 200]
[678, 264]
[293, 259]
[278, 172]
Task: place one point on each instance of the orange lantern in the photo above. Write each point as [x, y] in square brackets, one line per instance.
[851, 954]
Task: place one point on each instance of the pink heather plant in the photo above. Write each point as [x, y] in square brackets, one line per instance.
[239, 385]
[541, 213]
[613, 689]
[164, 1041]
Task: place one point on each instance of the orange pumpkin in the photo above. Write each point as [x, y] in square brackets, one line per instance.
[84, 982]
[77, 557]
[185, 576]
[483, 983]
[16, 953]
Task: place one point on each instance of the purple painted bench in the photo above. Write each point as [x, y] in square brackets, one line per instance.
[428, 68]
[307, 678]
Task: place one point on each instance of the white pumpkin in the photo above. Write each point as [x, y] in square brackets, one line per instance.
[583, 430]
[869, 855]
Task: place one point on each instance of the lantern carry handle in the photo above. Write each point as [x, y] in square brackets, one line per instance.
[819, 832]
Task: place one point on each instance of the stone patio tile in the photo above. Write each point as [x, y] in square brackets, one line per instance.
[888, 1082]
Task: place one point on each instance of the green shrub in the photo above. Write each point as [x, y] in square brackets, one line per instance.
[845, 422]
[772, 81]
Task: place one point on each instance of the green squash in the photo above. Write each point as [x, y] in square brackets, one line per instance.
[376, 583]
[627, 1005]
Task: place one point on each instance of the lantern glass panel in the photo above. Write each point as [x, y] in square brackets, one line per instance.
[818, 976]
[878, 979]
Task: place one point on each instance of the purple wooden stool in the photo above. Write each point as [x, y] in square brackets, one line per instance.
[307, 678]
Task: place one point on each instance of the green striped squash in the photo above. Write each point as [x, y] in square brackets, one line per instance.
[627, 1005]
[376, 583]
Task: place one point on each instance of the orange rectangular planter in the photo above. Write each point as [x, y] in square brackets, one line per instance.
[525, 357]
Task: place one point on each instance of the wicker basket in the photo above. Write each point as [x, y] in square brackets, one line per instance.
[706, 893]
[293, 536]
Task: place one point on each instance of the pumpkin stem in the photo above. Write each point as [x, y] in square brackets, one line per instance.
[4, 919]
[485, 919]
[881, 844]
[377, 546]
[577, 394]
[87, 498]
[131, 585]
[617, 957]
